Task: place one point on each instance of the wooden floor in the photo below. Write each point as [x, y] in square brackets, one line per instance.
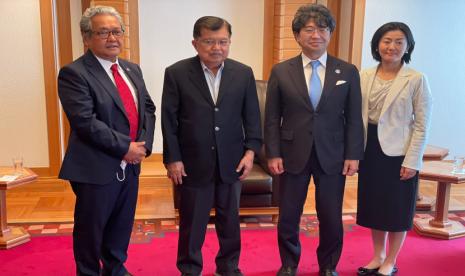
[47, 200]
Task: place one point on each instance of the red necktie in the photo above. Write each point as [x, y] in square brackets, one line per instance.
[128, 102]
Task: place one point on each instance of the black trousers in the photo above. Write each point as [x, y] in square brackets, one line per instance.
[197, 199]
[103, 221]
[329, 193]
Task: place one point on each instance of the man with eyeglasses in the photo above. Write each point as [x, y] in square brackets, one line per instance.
[313, 128]
[112, 122]
[211, 129]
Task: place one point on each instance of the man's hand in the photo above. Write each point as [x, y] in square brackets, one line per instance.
[175, 171]
[136, 152]
[246, 164]
[350, 167]
[407, 173]
[275, 165]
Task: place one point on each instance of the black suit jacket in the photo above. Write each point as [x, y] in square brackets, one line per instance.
[292, 126]
[99, 136]
[200, 133]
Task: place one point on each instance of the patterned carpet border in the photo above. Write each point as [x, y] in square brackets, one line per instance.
[145, 230]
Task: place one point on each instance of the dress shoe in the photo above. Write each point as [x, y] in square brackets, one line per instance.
[393, 272]
[287, 271]
[236, 272]
[328, 272]
[363, 271]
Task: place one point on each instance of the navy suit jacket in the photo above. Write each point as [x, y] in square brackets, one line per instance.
[201, 134]
[99, 136]
[292, 126]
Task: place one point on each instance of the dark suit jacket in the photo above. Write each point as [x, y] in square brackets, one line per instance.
[99, 136]
[200, 133]
[292, 126]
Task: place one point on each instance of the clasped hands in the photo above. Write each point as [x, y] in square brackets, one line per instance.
[175, 170]
[136, 153]
[276, 167]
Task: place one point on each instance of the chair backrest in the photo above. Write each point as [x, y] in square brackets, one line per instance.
[261, 93]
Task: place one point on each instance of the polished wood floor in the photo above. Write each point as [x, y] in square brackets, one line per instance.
[49, 200]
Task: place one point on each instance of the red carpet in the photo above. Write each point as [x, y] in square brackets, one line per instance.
[421, 256]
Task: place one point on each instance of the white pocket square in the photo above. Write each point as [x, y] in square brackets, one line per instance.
[339, 82]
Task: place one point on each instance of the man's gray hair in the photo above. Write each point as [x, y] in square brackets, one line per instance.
[86, 19]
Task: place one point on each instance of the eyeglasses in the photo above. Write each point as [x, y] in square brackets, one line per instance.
[319, 30]
[105, 34]
[212, 42]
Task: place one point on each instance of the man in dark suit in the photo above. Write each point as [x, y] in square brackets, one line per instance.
[211, 129]
[112, 124]
[313, 127]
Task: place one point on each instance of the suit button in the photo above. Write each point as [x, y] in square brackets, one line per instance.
[213, 148]
[217, 129]
[217, 109]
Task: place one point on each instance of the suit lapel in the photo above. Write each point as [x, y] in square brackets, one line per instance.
[296, 72]
[138, 86]
[95, 69]
[197, 77]
[332, 74]
[367, 83]
[397, 87]
[226, 80]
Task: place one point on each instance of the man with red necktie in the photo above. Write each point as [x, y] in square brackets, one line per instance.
[112, 124]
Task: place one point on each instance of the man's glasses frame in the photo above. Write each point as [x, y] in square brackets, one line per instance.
[105, 34]
[319, 30]
[211, 42]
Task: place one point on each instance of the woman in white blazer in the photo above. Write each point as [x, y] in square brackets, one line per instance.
[396, 108]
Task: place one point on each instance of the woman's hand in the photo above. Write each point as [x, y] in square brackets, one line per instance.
[407, 173]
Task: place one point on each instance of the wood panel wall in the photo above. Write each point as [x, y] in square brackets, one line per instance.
[279, 41]
[129, 11]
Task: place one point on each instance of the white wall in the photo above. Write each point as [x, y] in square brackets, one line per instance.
[437, 28]
[166, 35]
[76, 13]
[23, 124]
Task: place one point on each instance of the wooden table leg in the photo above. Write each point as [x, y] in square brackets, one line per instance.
[442, 207]
[440, 226]
[424, 203]
[10, 236]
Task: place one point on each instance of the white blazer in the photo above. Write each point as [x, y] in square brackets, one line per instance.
[405, 117]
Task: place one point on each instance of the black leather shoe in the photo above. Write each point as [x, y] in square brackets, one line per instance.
[363, 271]
[236, 272]
[328, 272]
[393, 272]
[287, 271]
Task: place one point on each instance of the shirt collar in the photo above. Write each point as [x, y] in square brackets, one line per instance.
[306, 60]
[204, 67]
[106, 64]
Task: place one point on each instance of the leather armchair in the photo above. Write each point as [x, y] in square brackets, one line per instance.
[260, 191]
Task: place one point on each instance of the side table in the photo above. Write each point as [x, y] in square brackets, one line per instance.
[12, 236]
[432, 153]
[440, 226]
